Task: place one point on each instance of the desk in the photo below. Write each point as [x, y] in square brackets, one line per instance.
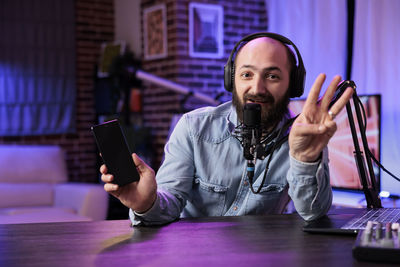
[272, 240]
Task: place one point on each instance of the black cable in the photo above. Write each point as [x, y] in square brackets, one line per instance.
[367, 150]
[381, 166]
[363, 112]
[267, 166]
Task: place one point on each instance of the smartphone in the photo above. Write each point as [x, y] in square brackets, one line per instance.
[115, 152]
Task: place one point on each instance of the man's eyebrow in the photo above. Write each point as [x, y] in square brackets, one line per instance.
[255, 68]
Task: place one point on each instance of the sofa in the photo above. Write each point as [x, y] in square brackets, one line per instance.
[34, 188]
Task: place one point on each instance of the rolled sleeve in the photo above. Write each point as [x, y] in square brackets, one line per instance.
[309, 187]
[164, 210]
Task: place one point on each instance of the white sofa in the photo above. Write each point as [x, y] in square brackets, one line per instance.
[34, 188]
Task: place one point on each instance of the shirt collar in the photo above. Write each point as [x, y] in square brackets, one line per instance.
[232, 118]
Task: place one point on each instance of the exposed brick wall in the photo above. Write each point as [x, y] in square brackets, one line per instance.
[94, 25]
[199, 74]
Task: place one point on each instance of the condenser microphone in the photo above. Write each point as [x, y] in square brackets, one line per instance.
[251, 135]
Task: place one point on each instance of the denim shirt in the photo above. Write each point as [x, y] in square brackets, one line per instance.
[204, 174]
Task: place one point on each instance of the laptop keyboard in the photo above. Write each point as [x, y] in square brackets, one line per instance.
[383, 215]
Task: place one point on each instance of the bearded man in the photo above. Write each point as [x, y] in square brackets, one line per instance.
[204, 171]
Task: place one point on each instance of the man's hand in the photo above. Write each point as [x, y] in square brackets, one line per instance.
[315, 126]
[139, 196]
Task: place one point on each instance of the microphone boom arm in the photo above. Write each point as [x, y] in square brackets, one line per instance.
[368, 180]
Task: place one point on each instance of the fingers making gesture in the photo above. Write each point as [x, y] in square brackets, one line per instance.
[315, 126]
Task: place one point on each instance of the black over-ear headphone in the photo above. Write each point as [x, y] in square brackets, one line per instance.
[298, 75]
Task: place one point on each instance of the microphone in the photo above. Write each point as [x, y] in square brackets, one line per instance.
[251, 135]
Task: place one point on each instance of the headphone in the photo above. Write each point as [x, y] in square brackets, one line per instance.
[298, 74]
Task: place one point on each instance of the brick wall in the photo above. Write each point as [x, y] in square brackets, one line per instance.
[199, 74]
[94, 25]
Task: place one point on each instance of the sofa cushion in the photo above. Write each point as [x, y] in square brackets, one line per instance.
[32, 164]
[26, 195]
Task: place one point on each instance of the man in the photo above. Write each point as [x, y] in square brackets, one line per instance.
[204, 172]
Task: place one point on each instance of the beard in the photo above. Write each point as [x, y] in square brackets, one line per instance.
[271, 114]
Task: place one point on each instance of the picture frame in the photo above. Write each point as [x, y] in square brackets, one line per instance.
[155, 32]
[205, 30]
[108, 52]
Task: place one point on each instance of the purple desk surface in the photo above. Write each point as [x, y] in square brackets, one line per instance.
[271, 240]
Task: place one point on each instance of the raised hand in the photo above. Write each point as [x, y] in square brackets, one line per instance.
[315, 126]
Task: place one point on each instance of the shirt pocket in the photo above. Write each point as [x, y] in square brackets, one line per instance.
[209, 198]
[266, 201]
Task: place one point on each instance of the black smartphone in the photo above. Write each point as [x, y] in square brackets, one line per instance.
[115, 152]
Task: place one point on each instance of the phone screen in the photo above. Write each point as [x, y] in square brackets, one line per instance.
[115, 152]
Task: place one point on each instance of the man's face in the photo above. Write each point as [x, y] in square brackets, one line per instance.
[262, 72]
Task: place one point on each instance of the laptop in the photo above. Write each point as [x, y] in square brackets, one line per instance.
[351, 220]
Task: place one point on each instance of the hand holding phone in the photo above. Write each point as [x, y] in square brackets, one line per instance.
[115, 152]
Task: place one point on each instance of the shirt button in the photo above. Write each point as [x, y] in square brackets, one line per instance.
[235, 208]
[245, 183]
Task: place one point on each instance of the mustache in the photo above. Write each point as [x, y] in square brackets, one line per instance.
[265, 98]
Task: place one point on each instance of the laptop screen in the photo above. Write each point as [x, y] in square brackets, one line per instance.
[343, 169]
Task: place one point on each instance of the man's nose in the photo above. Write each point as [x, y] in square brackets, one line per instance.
[259, 86]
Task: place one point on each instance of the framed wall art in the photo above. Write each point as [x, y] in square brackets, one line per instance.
[155, 32]
[205, 30]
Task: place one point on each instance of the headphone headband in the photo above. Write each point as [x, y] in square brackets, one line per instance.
[297, 77]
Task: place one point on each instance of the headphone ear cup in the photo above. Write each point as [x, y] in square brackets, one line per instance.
[228, 77]
[297, 82]
[294, 85]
